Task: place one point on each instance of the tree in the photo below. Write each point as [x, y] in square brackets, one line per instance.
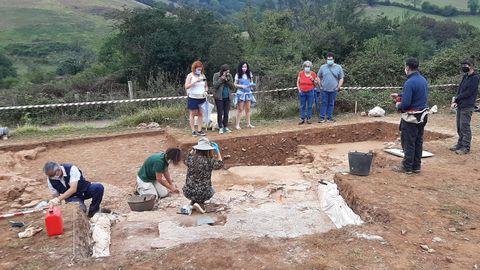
[473, 6]
[6, 68]
[153, 41]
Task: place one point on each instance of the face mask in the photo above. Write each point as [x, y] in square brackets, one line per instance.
[198, 71]
[57, 176]
[244, 69]
[307, 69]
[330, 62]
[465, 69]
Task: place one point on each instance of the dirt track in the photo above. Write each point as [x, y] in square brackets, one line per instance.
[441, 202]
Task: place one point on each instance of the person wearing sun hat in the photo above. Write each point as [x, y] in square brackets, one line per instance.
[201, 161]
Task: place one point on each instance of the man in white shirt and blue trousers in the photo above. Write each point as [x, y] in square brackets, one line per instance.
[66, 182]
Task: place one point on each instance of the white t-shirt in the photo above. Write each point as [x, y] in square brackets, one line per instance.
[197, 90]
[74, 177]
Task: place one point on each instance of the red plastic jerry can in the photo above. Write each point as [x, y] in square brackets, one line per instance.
[54, 221]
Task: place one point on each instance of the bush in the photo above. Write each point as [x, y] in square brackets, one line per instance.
[173, 115]
[269, 108]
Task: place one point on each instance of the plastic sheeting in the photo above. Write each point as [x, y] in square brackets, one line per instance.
[100, 226]
[376, 112]
[206, 109]
[4, 131]
[335, 206]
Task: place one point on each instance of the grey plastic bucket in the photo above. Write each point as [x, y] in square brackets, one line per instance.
[144, 202]
[360, 163]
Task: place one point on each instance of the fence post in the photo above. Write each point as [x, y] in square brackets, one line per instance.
[130, 90]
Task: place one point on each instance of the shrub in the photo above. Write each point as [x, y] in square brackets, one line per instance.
[269, 108]
[173, 114]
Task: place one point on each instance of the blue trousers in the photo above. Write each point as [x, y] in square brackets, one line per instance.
[316, 97]
[94, 192]
[328, 103]
[306, 102]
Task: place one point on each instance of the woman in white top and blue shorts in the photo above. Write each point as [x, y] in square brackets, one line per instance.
[196, 86]
[244, 96]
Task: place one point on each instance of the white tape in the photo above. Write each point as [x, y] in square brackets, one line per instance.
[103, 102]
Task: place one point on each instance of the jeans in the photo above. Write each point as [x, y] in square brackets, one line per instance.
[317, 94]
[223, 108]
[94, 192]
[412, 143]
[306, 102]
[328, 103]
[464, 131]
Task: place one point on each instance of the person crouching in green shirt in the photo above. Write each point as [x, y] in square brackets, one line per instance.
[154, 178]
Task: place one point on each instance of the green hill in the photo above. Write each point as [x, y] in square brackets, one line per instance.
[459, 4]
[392, 12]
[33, 32]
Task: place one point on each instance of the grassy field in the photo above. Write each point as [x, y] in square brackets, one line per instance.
[65, 21]
[392, 12]
[459, 4]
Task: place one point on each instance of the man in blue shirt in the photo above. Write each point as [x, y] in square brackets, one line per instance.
[331, 79]
[412, 104]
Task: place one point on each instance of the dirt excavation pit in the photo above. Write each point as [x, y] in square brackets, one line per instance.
[280, 148]
[270, 187]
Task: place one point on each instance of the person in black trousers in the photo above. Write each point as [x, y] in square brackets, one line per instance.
[412, 104]
[464, 101]
[223, 86]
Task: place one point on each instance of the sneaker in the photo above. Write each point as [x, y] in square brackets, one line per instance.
[462, 151]
[220, 131]
[201, 133]
[400, 169]
[331, 120]
[454, 148]
[308, 121]
[238, 127]
[194, 134]
[250, 126]
[321, 120]
[197, 207]
[416, 171]
[301, 122]
[226, 129]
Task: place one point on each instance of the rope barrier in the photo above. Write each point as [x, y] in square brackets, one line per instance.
[56, 105]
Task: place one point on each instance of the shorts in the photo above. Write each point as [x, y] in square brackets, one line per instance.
[194, 104]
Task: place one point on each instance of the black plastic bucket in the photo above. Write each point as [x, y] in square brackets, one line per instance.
[360, 163]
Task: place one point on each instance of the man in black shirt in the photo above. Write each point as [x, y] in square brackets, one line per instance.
[464, 101]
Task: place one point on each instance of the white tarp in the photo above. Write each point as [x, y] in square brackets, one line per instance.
[335, 206]
[100, 225]
[399, 153]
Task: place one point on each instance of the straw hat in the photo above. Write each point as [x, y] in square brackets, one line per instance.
[203, 144]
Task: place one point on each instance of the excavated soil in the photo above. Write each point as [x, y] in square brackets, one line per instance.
[275, 148]
[438, 208]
